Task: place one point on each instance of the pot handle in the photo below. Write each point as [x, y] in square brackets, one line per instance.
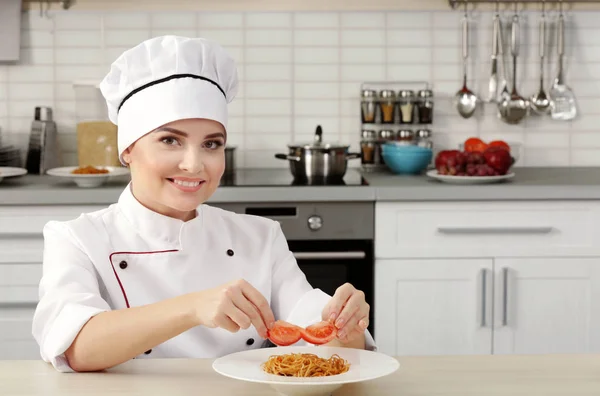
[350, 156]
[287, 157]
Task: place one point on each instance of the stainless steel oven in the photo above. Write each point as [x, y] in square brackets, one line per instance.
[332, 241]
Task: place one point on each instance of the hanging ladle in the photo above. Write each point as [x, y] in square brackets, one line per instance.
[540, 103]
[465, 99]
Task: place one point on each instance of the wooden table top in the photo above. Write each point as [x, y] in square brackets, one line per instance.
[507, 375]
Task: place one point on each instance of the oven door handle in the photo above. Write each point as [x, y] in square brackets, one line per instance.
[329, 255]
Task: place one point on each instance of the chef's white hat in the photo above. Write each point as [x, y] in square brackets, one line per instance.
[168, 78]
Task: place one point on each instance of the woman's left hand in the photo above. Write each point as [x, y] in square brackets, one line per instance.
[349, 311]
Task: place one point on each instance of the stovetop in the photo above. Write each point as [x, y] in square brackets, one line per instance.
[283, 177]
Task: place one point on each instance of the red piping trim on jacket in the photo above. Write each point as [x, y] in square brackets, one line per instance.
[117, 275]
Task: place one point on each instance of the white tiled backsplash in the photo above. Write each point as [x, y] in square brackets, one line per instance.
[301, 69]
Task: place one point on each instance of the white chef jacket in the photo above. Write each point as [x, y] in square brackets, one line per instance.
[127, 255]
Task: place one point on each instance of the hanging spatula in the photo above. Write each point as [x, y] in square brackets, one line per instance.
[562, 98]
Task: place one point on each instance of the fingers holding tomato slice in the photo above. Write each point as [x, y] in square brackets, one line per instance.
[319, 333]
[283, 333]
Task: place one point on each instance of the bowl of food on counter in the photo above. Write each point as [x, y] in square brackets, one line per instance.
[476, 162]
[88, 176]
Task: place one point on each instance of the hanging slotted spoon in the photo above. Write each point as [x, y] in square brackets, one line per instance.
[562, 98]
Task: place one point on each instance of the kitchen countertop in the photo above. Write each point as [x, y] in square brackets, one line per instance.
[528, 184]
[493, 375]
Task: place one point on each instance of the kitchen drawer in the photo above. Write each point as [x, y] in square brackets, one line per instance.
[481, 229]
[19, 283]
[30, 220]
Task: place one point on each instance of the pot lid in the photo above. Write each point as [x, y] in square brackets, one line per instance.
[318, 143]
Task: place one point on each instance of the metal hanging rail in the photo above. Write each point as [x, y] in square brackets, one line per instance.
[455, 3]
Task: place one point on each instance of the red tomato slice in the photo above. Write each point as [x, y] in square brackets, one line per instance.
[283, 333]
[319, 333]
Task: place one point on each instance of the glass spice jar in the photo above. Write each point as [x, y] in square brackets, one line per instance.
[387, 106]
[406, 137]
[424, 138]
[425, 106]
[369, 148]
[368, 106]
[406, 102]
[385, 135]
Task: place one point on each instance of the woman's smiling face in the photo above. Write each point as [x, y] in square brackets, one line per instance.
[177, 167]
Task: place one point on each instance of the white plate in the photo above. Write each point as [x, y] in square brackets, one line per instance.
[469, 179]
[91, 180]
[364, 366]
[8, 171]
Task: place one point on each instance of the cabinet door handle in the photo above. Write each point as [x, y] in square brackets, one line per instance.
[494, 230]
[483, 297]
[504, 296]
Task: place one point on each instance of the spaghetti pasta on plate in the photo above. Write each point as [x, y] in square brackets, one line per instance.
[305, 365]
[257, 365]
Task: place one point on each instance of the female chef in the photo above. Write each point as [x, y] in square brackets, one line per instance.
[159, 273]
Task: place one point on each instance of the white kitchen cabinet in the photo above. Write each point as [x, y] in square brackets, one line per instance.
[547, 305]
[543, 263]
[18, 298]
[21, 251]
[16, 341]
[484, 306]
[433, 307]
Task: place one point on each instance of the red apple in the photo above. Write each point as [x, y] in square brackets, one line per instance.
[498, 158]
[443, 156]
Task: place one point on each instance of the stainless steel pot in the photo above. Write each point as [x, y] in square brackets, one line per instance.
[318, 160]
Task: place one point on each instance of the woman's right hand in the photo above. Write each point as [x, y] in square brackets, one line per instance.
[233, 306]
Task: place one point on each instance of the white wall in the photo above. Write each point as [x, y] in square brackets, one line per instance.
[301, 69]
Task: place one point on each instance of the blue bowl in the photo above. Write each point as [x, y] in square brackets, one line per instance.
[409, 163]
[396, 148]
